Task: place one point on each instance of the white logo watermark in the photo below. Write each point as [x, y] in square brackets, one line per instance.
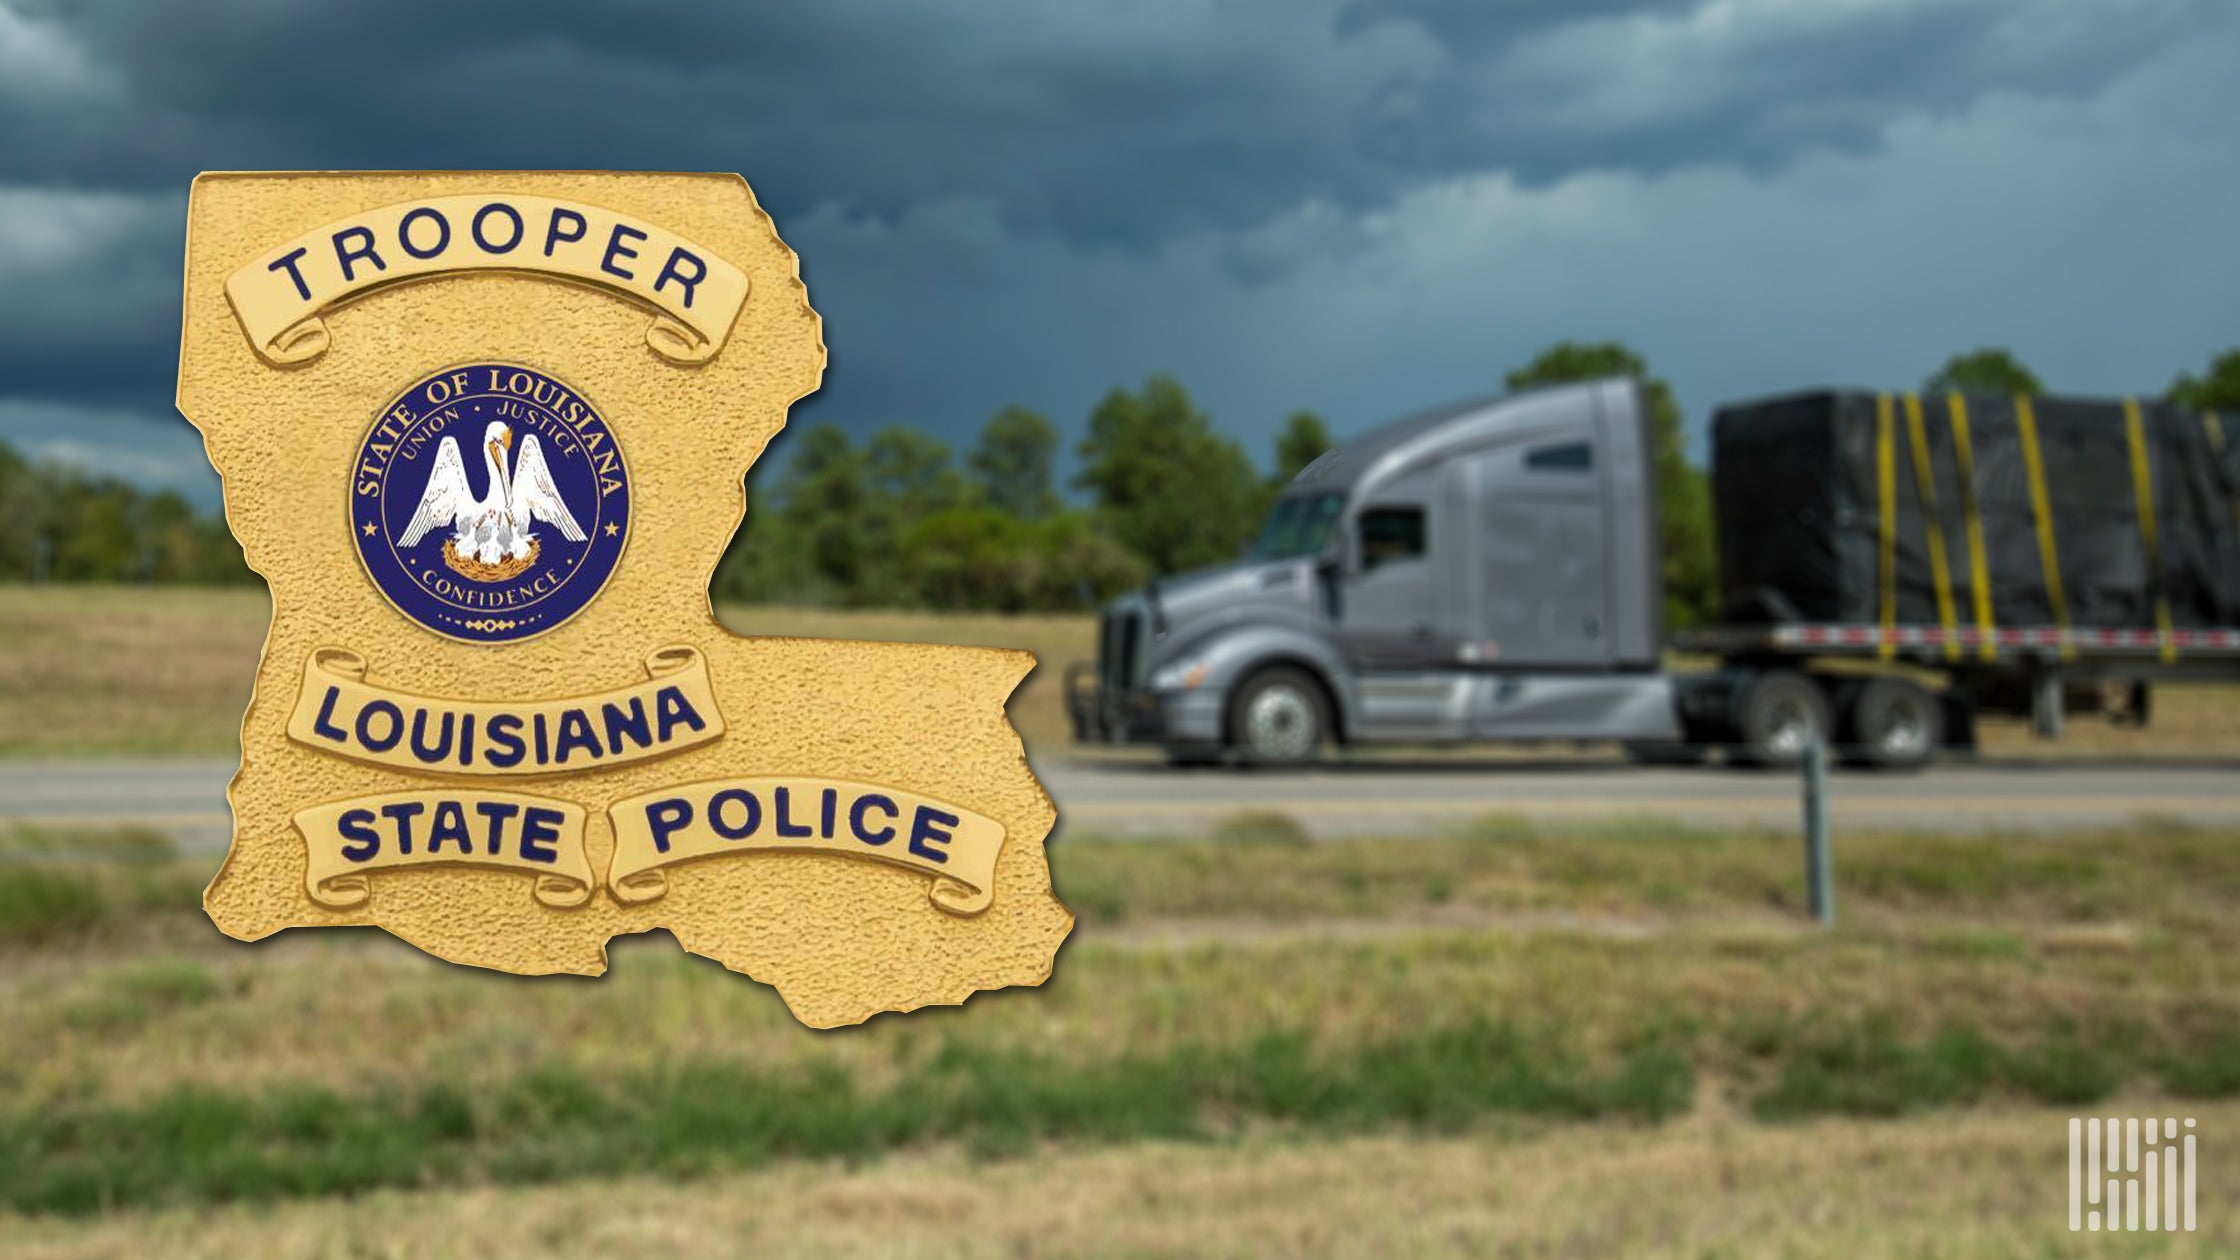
[2149, 1196]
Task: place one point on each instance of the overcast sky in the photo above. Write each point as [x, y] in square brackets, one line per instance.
[1359, 206]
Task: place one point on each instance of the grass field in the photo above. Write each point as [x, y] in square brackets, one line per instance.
[1552, 1042]
[1565, 1043]
[1986, 1185]
[194, 651]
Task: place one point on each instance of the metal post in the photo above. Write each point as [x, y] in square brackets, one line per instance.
[1819, 863]
[2046, 704]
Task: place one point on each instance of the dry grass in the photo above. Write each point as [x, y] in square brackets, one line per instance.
[2051, 968]
[351, 1014]
[110, 669]
[1604, 931]
[1987, 1184]
[2189, 718]
[63, 689]
[126, 668]
[1645, 870]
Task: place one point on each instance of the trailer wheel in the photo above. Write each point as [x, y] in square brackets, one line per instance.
[1279, 717]
[1777, 715]
[1895, 725]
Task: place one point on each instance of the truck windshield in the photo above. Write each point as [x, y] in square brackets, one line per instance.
[1298, 525]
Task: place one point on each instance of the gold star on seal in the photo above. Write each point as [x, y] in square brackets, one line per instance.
[613, 529]
[370, 531]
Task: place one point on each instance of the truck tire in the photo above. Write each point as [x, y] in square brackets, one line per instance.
[1778, 713]
[1895, 725]
[1279, 717]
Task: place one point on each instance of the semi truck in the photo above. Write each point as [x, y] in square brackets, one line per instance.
[1490, 571]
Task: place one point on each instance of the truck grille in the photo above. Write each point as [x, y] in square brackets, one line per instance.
[1119, 648]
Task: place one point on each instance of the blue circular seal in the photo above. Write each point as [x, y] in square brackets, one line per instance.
[490, 502]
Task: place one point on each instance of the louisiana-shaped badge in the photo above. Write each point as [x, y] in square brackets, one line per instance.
[485, 435]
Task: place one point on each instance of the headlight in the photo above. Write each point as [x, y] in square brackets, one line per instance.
[1180, 676]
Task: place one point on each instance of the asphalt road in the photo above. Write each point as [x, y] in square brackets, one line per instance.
[186, 798]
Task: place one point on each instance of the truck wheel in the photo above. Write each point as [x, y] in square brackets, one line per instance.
[1895, 724]
[1279, 717]
[1778, 714]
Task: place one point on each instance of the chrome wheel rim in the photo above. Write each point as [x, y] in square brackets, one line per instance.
[1280, 724]
[1790, 728]
[1907, 731]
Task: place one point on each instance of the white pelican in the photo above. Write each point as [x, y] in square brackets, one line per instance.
[494, 528]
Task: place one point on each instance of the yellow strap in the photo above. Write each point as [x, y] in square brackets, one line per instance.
[2041, 513]
[2142, 493]
[1886, 490]
[1979, 566]
[1924, 478]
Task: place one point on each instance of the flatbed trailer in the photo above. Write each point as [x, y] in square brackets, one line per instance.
[2039, 672]
[1489, 571]
[2127, 652]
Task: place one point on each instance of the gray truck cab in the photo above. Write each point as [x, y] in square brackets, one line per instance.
[1486, 570]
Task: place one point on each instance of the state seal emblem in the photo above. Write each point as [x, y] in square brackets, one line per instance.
[510, 543]
[484, 435]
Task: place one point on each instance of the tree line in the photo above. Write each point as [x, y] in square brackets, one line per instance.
[900, 521]
[63, 525]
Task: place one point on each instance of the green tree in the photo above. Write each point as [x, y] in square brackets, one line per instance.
[96, 542]
[217, 557]
[974, 558]
[2217, 391]
[909, 475]
[824, 499]
[984, 559]
[68, 526]
[27, 506]
[1689, 556]
[762, 563]
[1078, 565]
[839, 512]
[1011, 464]
[1168, 487]
[1302, 441]
[1991, 370]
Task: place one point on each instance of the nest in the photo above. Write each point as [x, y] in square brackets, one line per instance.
[476, 571]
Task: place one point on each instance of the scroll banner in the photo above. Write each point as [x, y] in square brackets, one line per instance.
[719, 817]
[339, 712]
[349, 841]
[280, 296]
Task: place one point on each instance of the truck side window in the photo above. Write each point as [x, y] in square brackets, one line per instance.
[1390, 533]
[1569, 457]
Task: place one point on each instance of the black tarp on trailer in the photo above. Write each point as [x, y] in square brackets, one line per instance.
[1976, 511]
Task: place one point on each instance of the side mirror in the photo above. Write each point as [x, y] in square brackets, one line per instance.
[1329, 568]
[1338, 559]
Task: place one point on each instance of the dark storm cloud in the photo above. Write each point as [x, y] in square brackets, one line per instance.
[966, 153]
[1546, 88]
[1105, 124]
[89, 295]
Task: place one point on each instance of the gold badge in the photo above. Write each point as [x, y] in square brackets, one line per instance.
[484, 435]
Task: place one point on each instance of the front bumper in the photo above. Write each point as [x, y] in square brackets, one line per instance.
[1139, 717]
